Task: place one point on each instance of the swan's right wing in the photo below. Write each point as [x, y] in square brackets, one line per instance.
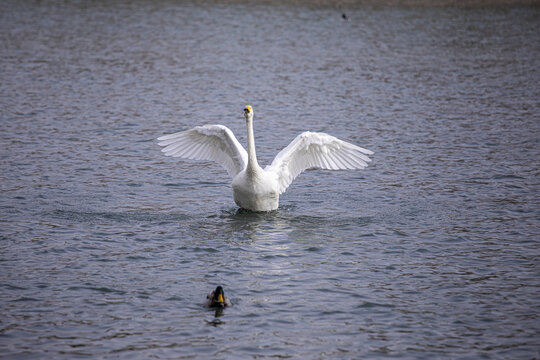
[208, 142]
[316, 150]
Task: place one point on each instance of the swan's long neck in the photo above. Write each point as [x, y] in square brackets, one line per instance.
[252, 155]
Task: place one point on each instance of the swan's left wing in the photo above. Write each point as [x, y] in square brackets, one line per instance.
[208, 142]
[316, 150]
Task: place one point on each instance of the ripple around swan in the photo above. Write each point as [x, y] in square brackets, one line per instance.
[108, 248]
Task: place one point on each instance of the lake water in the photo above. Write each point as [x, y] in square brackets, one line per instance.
[108, 248]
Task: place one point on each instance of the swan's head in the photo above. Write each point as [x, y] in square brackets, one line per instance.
[248, 112]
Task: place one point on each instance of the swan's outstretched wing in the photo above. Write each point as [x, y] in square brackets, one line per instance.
[316, 150]
[208, 142]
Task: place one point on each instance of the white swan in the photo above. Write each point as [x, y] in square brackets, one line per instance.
[255, 188]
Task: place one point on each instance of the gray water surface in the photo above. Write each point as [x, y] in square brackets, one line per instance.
[108, 248]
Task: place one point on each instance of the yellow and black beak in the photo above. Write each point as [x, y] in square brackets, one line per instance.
[220, 298]
[247, 109]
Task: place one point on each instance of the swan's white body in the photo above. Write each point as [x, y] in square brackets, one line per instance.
[255, 188]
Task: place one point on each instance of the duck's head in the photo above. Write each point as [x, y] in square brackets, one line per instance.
[218, 297]
[248, 112]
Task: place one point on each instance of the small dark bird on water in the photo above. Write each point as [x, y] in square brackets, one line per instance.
[344, 16]
[217, 299]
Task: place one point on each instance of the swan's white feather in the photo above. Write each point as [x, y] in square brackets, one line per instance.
[208, 142]
[254, 188]
[316, 150]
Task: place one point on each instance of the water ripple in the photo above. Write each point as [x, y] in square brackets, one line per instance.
[108, 249]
